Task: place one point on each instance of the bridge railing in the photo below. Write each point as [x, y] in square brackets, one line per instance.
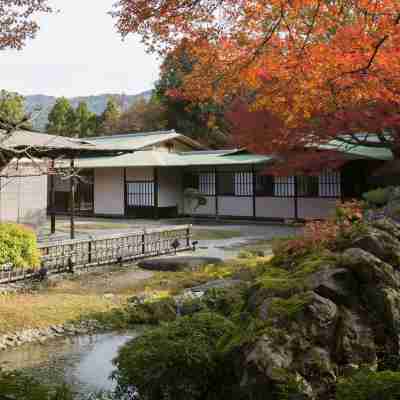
[68, 255]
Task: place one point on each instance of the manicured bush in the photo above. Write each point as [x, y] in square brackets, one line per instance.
[178, 360]
[152, 311]
[317, 236]
[18, 246]
[378, 197]
[369, 385]
[15, 385]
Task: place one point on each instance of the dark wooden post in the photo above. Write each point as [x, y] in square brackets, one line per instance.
[72, 197]
[216, 193]
[125, 195]
[144, 243]
[296, 199]
[156, 193]
[188, 236]
[52, 199]
[254, 176]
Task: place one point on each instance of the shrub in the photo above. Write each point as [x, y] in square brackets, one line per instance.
[320, 235]
[378, 197]
[18, 246]
[178, 360]
[152, 311]
[369, 385]
[15, 385]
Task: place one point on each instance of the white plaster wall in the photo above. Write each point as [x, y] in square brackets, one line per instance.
[109, 191]
[139, 174]
[170, 188]
[24, 200]
[235, 206]
[316, 208]
[274, 207]
[208, 209]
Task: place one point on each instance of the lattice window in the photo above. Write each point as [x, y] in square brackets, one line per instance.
[244, 184]
[140, 194]
[284, 186]
[207, 183]
[330, 184]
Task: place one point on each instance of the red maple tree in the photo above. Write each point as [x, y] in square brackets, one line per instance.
[17, 21]
[308, 71]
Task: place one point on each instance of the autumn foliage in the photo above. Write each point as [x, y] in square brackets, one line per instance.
[320, 68]
[326, 234]
[17, 21]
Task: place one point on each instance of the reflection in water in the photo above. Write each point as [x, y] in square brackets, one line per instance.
[85, 362]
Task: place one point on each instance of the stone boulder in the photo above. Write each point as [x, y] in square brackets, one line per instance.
[355, 345]
[336, 284]
[379, 243]
[389, 226]
[370, 269]
[178, 263]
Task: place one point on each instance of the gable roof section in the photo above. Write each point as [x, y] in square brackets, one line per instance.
[358, 151]
[141, 140]
[151, 158]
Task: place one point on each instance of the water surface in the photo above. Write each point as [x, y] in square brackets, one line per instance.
[85, 362]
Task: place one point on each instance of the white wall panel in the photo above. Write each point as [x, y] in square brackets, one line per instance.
[274, 207]
[235, 206]
[109, 191]
[316, 208]
[24, 200]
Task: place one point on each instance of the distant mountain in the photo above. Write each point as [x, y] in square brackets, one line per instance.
[96, 104]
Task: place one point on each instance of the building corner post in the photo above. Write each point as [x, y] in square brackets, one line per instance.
[73, 189]
[52, 199]
[296, 199]
[156, 193]
[216, 188]
[254, 176]
[125, 195]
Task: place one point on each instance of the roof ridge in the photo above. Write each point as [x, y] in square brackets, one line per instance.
[132, 134]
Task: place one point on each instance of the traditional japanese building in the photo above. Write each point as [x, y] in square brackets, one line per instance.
[150, 181]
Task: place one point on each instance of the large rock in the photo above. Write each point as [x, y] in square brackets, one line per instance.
[370, 269]
[355, 343]
[336, 284]
[381, 244]
[179, 263]
[389, 226]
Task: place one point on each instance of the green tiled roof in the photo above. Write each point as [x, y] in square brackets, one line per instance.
[137, 141]
[165, 159]
[376, 153]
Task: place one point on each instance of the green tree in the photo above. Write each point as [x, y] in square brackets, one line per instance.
[202, 121]
[84, 118]
[110, 116]
[71, 122]
[12, 107]
[58, 117]
[143, 116]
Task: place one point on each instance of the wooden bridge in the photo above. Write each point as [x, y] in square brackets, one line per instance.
[70, 255]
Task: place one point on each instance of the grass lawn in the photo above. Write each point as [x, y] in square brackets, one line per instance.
[73, 298]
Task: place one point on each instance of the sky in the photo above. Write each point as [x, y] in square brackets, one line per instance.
[78, 52]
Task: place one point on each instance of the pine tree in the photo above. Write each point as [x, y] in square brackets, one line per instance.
[110, 116]
[84, 119]
[58, 118]
[71, 123]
